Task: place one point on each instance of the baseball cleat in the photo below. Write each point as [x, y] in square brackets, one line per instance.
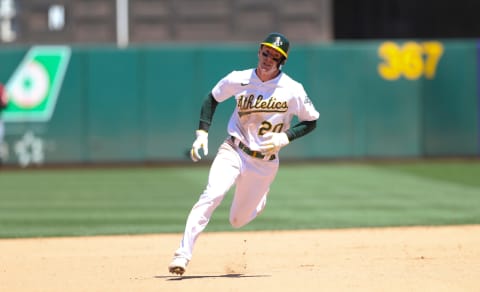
[178, 265]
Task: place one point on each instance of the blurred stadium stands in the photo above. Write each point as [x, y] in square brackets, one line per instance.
[159, 21]
[154, 21]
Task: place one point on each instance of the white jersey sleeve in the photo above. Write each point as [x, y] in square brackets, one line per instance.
[228, 86]
[305, 110]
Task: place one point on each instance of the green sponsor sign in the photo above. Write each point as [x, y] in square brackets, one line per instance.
[34, 86]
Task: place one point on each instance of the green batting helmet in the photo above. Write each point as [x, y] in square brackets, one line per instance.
[278, 42]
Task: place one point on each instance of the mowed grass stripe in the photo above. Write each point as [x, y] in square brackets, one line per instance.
[156, 200]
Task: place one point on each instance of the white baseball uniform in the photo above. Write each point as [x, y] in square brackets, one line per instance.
[262, 107]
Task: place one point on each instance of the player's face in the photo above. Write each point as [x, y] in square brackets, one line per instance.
[268, 62]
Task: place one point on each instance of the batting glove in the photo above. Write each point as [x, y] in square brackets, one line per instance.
[200, 142]
[273, 142]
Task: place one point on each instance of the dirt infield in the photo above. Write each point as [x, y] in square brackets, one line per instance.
[385, 259]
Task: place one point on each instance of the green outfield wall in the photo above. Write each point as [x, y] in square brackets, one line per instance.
[377, 99]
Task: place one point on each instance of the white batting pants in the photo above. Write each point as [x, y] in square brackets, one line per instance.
[252, 177]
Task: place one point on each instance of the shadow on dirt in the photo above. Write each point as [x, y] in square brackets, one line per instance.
[180, 278]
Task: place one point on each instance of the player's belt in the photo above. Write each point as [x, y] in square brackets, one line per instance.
[248, 151]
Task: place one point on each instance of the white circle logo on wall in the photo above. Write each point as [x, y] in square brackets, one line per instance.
[30, 87]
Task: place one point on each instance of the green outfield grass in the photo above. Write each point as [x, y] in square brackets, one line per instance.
[157, 200]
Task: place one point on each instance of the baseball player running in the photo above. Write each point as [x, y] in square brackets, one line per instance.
[266, 101]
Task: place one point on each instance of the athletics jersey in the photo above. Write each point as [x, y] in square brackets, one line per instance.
[263, 107]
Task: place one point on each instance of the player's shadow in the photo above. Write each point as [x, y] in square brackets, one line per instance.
[233, 276]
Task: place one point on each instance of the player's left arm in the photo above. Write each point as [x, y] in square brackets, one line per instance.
[275, 141]
[308, 116]
[301, 129]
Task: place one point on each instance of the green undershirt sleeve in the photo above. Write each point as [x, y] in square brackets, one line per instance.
[301, 129]
[206, 113]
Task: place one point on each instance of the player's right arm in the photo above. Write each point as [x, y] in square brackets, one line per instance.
[222, 91]
[206, 113]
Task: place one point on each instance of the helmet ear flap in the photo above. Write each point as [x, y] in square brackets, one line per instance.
[281, 63]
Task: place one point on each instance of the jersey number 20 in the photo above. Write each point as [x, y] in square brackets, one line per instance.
[267, 126]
